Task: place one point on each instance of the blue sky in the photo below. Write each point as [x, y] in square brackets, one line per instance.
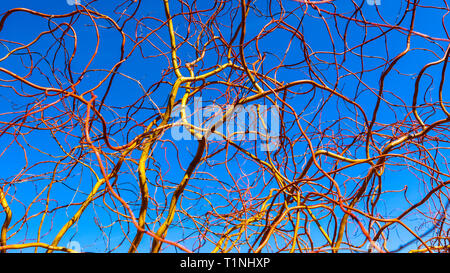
[22, 27]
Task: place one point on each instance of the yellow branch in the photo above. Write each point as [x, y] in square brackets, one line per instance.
[162, 231]
[8, 216]
[43, 245]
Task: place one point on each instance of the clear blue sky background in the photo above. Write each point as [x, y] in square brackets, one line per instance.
[23, 28]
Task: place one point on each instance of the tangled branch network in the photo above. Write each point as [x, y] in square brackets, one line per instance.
[224, 126]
